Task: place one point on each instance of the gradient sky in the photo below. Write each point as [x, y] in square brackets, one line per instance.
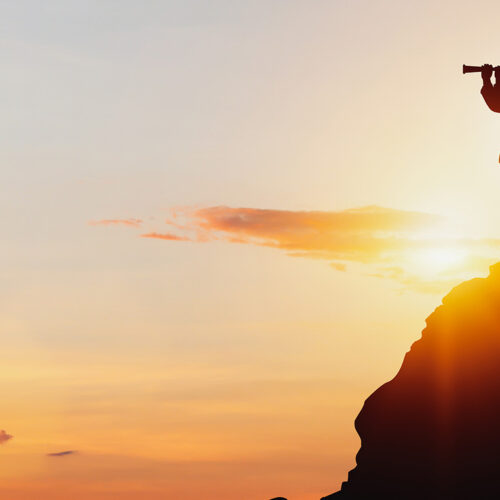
[342, 132]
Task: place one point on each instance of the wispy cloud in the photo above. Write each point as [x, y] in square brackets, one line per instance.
[361, 234]
[117, 222]
[165, 236]
[418, 250]
[4, 437]
[62, 453]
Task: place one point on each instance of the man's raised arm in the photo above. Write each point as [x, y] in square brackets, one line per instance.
[490, 93]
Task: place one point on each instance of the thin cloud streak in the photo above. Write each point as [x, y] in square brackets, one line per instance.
[117, 222]
[62, 453]
[165, 236]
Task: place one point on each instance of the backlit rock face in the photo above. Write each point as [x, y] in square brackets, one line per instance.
[433, 432]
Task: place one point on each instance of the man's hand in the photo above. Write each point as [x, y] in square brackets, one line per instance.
[497, 76]
[486, 72]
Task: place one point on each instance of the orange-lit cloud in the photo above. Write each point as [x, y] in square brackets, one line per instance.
[356, 234]
[4, 437]
[416, 249]
[117, 222]
[165, 236]
[360, 235]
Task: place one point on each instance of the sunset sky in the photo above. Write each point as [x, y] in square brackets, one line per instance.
[224, 224]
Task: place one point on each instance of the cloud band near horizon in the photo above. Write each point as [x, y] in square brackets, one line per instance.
[387, 239]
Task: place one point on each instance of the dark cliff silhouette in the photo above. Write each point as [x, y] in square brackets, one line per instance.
[433, 432]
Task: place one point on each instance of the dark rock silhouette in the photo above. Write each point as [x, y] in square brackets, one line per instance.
[433, 432]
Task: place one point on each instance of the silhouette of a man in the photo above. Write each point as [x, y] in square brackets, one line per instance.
[490, 92]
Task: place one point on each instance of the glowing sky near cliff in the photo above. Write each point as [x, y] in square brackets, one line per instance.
[226, 355]
[435, 260]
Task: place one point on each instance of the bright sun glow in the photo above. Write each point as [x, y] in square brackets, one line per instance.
[440, 259]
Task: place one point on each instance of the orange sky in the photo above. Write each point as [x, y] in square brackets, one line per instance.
[161, 163]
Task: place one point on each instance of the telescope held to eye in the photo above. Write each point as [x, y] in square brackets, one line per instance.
[475, 69]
